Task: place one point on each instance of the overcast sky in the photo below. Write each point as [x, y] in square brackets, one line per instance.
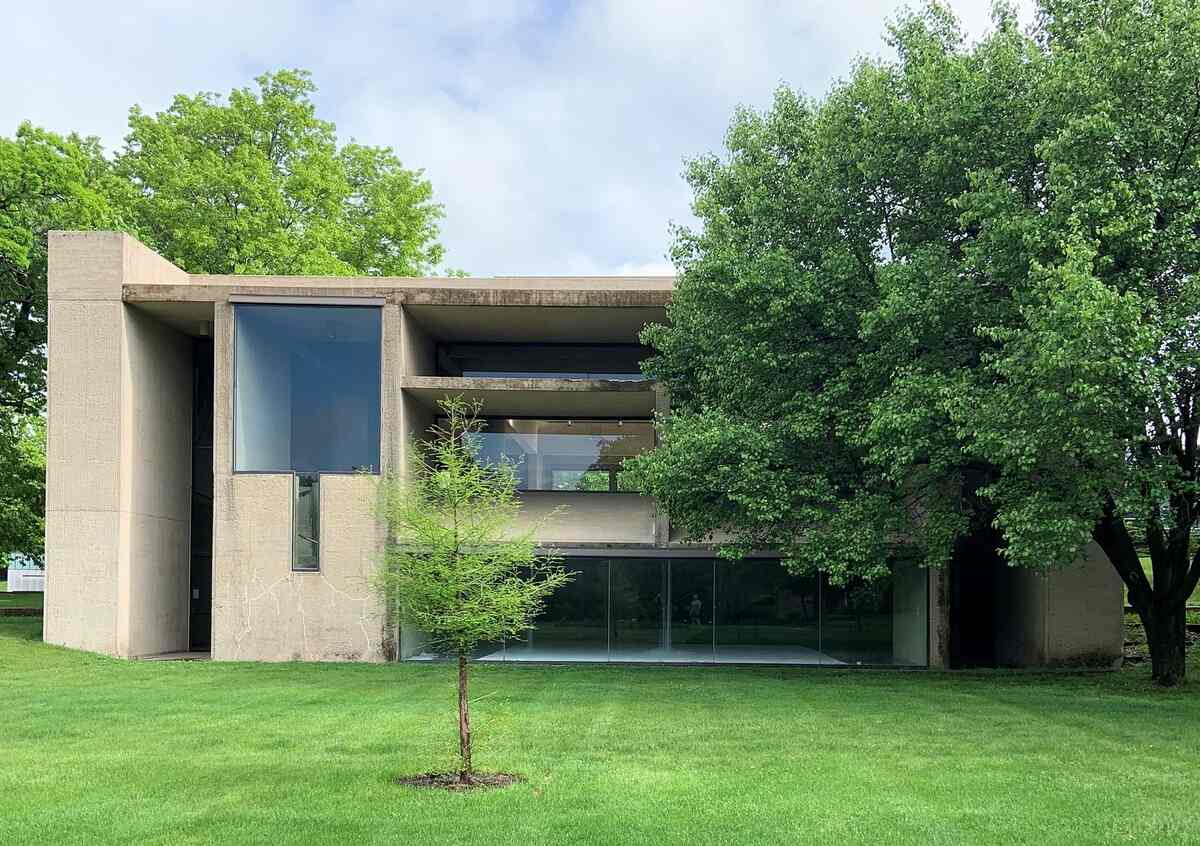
[553, 133]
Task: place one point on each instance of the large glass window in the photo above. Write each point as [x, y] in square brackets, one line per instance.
[766, 615]
[565, 455]
[574, 625]
[542, 361]
[307, 388]
[701, 610]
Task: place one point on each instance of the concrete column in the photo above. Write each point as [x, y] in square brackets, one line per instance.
[118, 473]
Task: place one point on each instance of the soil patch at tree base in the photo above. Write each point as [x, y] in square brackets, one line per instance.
[454, 783]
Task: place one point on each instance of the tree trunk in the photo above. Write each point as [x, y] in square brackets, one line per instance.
[464, 722]
[1166, 634]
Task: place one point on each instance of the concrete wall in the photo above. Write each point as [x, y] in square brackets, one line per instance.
[1084, 613]
[418, 349]
[262, 610]
[589, 518]
[1067, 617]
[118, 454]
[158, 405]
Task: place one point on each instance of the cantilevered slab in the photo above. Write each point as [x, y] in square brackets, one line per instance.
[539, 397]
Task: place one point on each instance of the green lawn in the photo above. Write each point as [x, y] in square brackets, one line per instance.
[19, 600]
[148, 752]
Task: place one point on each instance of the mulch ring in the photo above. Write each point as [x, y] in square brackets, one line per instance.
[454, 783]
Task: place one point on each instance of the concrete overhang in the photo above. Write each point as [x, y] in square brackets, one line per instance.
[539, 397]
[193, 318]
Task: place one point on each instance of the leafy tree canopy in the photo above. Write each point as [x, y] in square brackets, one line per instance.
[22, 486]
[257, 183]
[958, 296]
[47, 181]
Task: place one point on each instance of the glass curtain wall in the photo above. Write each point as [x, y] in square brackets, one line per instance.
[564, 455]
[704, 610]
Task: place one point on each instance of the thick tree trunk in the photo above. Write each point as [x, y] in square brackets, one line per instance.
[1166, 634]
[464, 722]
[1163, 611]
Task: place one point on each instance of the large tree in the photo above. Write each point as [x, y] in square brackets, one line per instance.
[257, 183]
[952, 306]
[47, 181]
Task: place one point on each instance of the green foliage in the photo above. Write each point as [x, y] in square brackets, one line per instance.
[47, 181]
[456, 567]
[23, 486]
[958, 295]
[258, 184]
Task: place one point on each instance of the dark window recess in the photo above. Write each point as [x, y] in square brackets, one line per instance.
[202, 496]
[306, 532]
[542, 361]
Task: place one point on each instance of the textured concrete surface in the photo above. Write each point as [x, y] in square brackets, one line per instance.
[589, 519]
[157, 412]
[1067, 617]
[262, 610]
[1084, 612]
[118, 454]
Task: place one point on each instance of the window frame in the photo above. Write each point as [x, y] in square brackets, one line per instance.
[295, 496]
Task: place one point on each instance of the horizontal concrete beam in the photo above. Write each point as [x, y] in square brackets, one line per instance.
[539, 397]
[617, 292]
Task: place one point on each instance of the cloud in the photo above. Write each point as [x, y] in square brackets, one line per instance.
[555, 134]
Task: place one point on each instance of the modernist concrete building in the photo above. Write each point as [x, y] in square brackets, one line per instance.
[208, 437]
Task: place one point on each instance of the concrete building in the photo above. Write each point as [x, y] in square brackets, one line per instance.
[214, 444]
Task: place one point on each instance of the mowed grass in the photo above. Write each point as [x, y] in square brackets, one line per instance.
[29, 599]
[97, 750]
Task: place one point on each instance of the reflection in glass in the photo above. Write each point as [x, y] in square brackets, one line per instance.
[766, 615]
[574, 625]
[856, 621]
[306, 522]
[307, 388]
[565, 455]
[691, 609]
[703, 609]
[639, 592]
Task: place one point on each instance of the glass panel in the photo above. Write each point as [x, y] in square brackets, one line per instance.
[574, 625]
[856, 622]
[639, 596]
[565, 455]
[306, 535]
[765, 614]
[539, 361]
[307, 388]
[691, 610]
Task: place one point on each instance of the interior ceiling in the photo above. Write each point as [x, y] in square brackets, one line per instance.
[545, 324]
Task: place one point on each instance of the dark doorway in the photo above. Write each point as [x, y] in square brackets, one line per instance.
[202, 495]
[974, 580]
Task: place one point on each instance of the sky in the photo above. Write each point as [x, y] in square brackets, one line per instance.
[555, 134]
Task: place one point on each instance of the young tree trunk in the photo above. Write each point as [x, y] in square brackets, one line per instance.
[464, 722]
[1166, 634]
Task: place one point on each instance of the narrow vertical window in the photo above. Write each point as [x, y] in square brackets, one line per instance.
[306, 528]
